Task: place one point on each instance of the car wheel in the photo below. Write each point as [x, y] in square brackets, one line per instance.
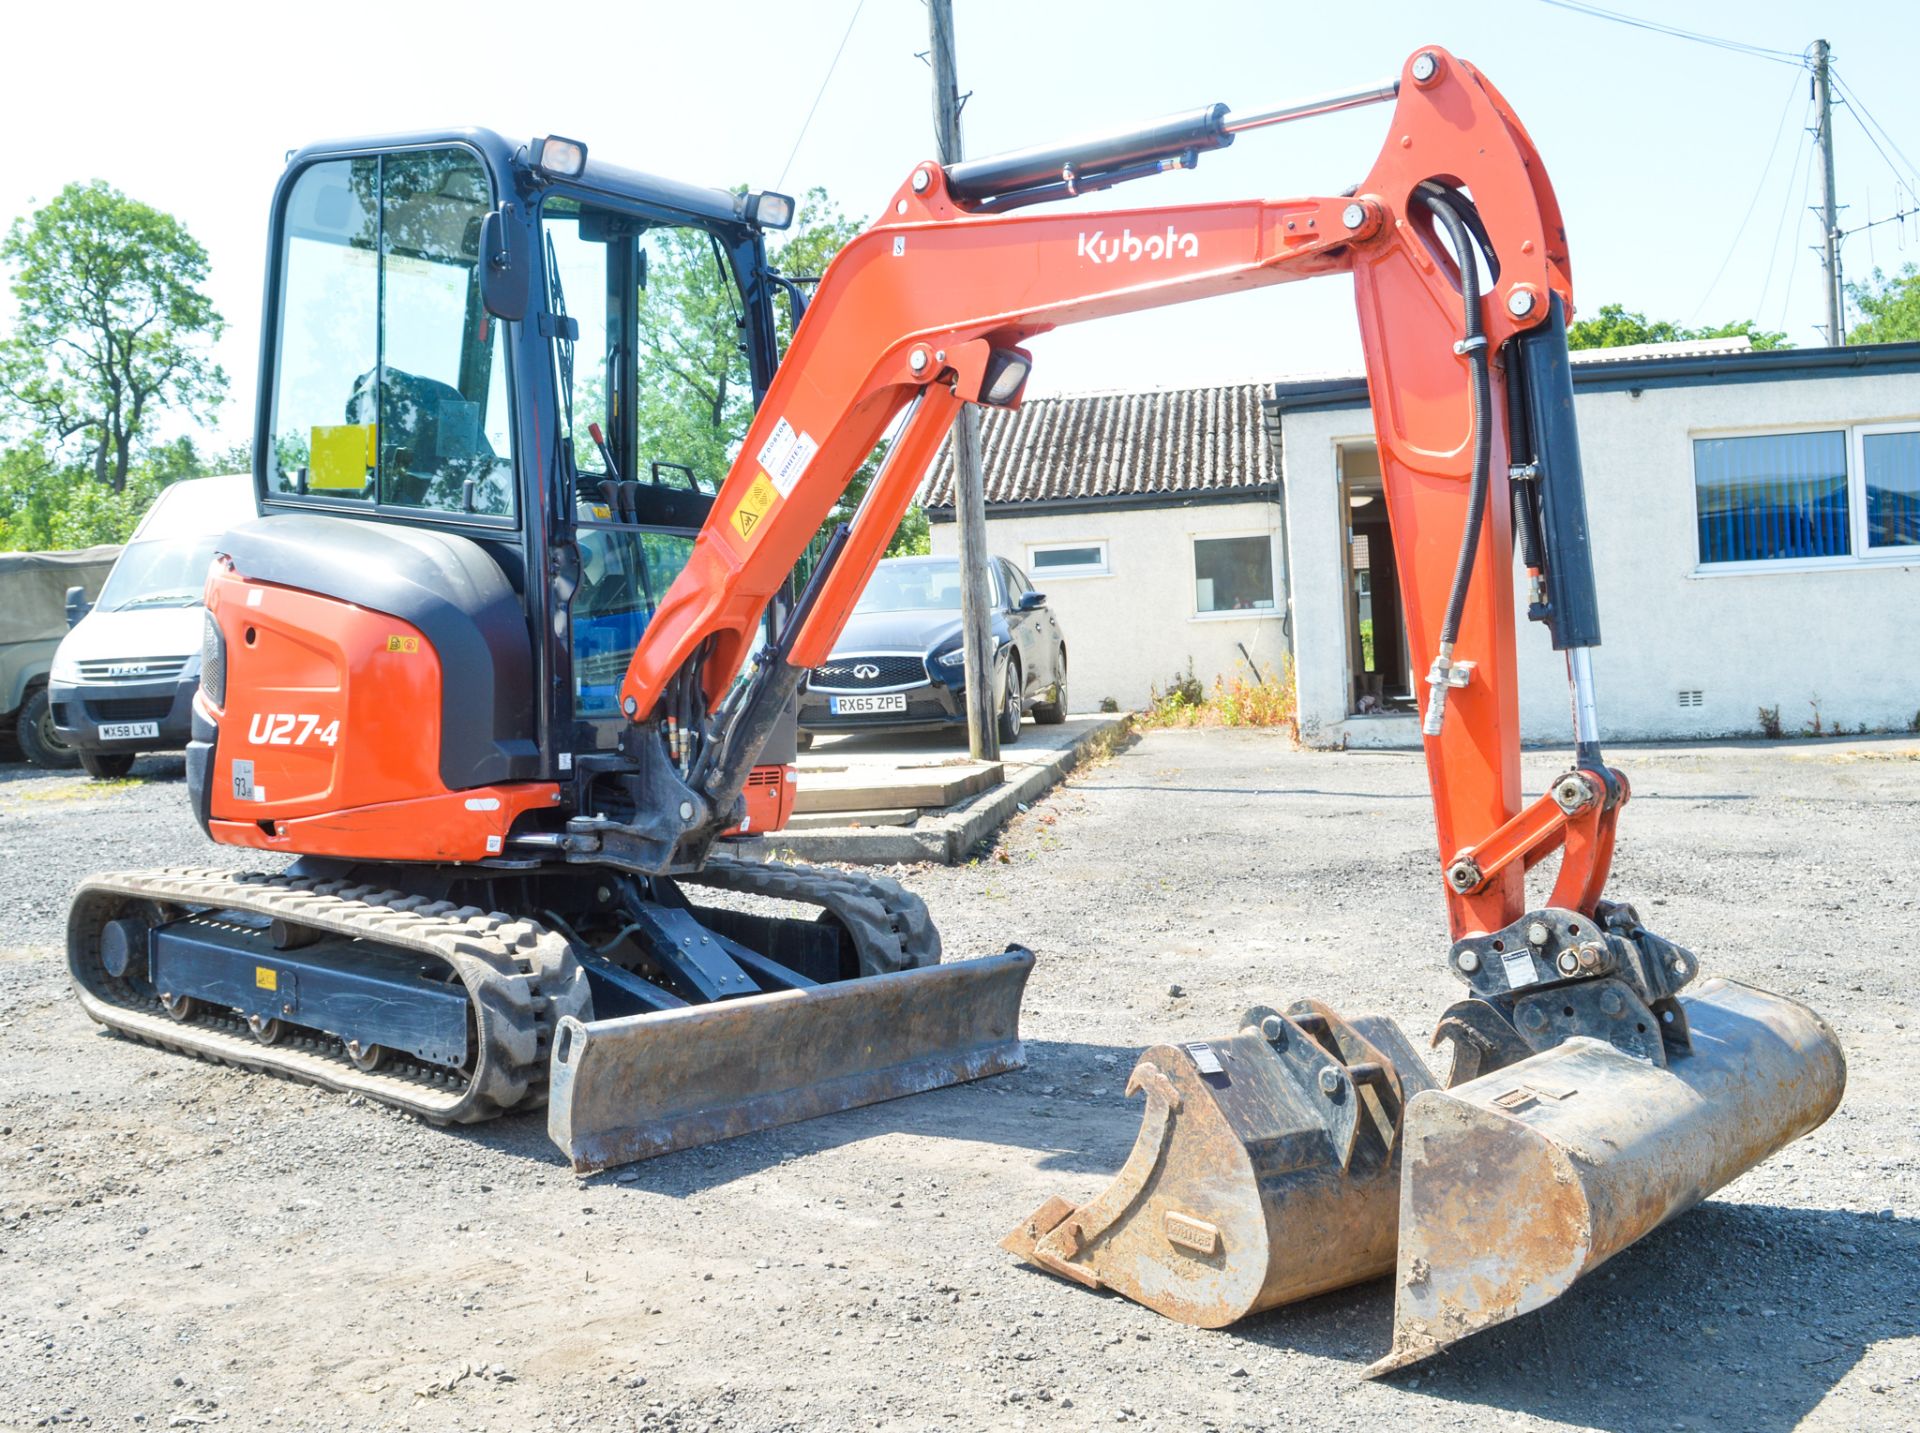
[1054, 710]
[1010, 704]
[803, 741]
[43, 744]
[107, 765]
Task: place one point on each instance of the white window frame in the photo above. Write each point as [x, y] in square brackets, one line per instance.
[1036, 574]
[1234, 614]
[1858, 558]
[1857, 487]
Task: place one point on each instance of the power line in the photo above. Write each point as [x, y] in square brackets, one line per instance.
[1786, 296]
[825, 80]
[1863, 116]
[1740, 47]
[1793, 185]
[1773, 153]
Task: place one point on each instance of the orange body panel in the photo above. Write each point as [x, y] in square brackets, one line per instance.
[338, 711]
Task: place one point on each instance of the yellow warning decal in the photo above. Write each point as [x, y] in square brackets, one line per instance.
[408, 645]
[754, 507]
[266, 978]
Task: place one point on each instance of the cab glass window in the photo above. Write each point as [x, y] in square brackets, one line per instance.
[390, 381]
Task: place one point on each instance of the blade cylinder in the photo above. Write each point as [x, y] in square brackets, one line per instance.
[1520, 1181]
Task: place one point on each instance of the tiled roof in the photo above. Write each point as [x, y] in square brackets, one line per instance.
[1118, 445]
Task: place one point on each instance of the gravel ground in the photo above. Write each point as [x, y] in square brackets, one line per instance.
[182, 1245]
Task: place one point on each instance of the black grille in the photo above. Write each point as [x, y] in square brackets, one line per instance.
[867, 674]
[131, 709]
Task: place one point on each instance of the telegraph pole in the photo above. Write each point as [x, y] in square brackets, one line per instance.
[969, 484]
[1829, 214]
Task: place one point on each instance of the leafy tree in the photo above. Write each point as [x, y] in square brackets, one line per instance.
[1891, 305]
[112, 326]
[1615, 327]
[694, 397]
[47, 505]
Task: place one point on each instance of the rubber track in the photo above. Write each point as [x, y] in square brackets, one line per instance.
[891, 927]
[519, 976]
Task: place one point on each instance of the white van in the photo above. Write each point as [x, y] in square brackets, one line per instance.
[122, 682]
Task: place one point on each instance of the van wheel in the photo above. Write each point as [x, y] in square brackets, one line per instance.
[803, 741]
[107, 765]
[44, 745]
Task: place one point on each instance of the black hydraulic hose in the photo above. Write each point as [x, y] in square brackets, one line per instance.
[1443, 674]
[1474, 346]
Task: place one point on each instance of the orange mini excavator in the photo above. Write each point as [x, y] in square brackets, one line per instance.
[515, 642]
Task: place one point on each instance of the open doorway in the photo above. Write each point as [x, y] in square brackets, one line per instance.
[1377, 663]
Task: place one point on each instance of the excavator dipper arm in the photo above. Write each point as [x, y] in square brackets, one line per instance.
[930, 306]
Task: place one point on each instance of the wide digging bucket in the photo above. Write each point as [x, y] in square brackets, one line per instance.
[640, 1085]
[1520, 1181]
[1266, 1170]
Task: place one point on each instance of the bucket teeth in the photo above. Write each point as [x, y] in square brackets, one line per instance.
[1266, 1170]
[1520, 1181]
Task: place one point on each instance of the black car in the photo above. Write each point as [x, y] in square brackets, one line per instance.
[898, 665]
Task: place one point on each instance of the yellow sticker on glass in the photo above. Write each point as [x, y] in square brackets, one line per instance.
[754, 507]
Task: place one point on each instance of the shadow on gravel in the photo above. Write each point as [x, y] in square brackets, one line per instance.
[1083, 1130]
[1734, 1316]
[163, 767]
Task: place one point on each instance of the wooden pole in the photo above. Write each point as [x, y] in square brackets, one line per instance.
[969, 484]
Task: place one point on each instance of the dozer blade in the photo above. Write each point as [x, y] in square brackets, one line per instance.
[641, 1085]
[1520, 1181]
[1266, 1170]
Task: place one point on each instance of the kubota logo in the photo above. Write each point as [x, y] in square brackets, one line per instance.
[1131, 247]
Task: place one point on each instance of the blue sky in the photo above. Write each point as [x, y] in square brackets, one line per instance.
[1672, 159]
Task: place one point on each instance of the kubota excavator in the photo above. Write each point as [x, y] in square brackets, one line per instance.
[477, 674]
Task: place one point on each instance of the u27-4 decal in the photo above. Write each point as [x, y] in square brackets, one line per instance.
[290, 729]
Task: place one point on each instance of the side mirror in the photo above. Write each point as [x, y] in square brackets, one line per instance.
[77, 605]
[506, 266]
[1031, 601]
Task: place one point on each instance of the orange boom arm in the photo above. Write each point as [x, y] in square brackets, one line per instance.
[932, 302]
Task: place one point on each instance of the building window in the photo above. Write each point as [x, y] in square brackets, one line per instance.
[1829, 495]
[1772, 497]
[1890, 476]
[1067, 559]
[1233, 574]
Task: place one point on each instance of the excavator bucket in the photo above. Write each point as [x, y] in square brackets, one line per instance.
[1520, 1181]
[1267, 1169]
[636, 1086]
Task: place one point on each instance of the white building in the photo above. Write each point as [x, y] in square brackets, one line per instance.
[1755, 521]
[1152, 523]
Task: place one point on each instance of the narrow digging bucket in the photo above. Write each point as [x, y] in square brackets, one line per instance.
[641, 1085]
[1520, 1181]
[1266, 1170]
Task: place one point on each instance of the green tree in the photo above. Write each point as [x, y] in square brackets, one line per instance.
[694, 397]
[1615, 327]
[46, 505]
[112, 326]
[1891, 305]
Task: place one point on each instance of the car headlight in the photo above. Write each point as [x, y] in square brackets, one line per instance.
[956, 658]
[65, 669]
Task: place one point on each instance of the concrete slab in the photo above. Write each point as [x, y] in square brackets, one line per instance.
[865, 788]
[1031, 767]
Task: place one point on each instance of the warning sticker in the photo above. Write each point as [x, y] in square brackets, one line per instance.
[754, 507]
[785, 456]
[1520, 971]
[1204, 1058]
[266, 977]
[407, 645]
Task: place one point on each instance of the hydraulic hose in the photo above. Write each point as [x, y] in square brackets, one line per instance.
[1474, 347]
